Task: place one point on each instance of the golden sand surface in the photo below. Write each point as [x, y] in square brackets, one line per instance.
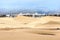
[30, 22]
[28, 28]
[25, 19]
[29, 34]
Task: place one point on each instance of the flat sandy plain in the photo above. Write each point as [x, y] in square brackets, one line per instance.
[28, 28]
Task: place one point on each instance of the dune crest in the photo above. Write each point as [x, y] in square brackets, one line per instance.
[30, 22]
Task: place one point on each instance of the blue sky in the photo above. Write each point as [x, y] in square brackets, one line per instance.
[19, 4]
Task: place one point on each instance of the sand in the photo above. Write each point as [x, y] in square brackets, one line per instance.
[30, 22]
[23, 34]
[24, 19]
[29, 28]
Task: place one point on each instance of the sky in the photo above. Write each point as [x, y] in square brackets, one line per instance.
[32, 4]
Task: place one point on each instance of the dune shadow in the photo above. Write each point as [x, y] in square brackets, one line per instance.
[45, 34]
[42, 32]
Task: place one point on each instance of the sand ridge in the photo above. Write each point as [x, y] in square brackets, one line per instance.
[24, 21]
[15, 28]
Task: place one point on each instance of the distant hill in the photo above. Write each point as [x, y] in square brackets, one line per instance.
[17, 11]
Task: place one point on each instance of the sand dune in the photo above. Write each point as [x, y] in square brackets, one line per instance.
[23, 21]
[48, 21]
[34, 33]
